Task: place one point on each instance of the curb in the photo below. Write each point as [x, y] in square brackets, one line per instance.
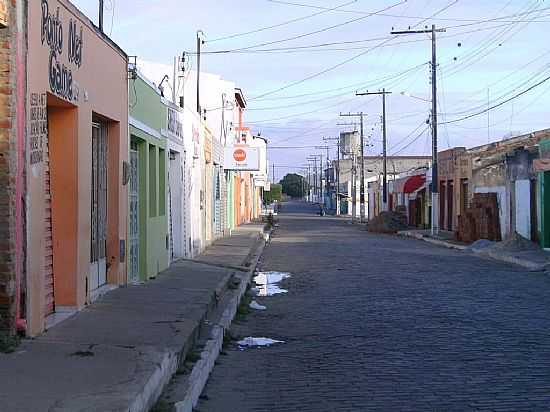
[437, 242]
[532, 266]
[204, 366]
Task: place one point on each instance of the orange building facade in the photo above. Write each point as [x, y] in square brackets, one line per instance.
[77, 147]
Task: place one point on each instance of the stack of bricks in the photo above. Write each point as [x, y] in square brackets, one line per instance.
[480, 220]
[7, 122]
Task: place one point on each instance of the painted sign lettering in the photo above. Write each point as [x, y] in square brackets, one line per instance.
[61, 76]
[38, 127]
[175, 125]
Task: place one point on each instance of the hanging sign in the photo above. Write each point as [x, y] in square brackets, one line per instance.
[242, 157]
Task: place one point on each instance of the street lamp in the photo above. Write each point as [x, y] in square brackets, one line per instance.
[414, 97]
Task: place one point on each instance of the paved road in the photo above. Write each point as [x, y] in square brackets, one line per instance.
[380, 323]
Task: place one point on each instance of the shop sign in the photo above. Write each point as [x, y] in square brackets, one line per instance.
[60, 40]
[174, 123]
[242, 157]
[260, 181]
[3, 13]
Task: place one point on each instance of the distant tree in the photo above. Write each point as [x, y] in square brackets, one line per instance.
[294, 185]
[274, 194]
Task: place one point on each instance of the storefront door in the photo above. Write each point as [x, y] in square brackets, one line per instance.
[133, 235]
[98, 267]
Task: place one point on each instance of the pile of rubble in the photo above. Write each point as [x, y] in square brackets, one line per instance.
[388, 222]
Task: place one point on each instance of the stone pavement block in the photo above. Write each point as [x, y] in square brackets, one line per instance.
[377, 323]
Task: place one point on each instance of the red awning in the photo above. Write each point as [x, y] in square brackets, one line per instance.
[409, 184]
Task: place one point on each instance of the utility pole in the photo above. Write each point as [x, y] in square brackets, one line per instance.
[362, 176]
[338, 209]
[199, 43]
[384, 146]
[323, 175]
[336, 172]
[314, 160]
[435, 177]
[318, 189]
[273, 169]
[101, 7]
[308, 183]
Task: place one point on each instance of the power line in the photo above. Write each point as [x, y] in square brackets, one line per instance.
[292, 84]
[232, 36]
[323, 47]
[353, 86]
[392, 15]
[507, 93]
[324, 29]
[489, 46]
[499, 104]
[362, 85]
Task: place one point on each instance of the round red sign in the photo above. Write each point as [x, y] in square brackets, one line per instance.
[239, 155]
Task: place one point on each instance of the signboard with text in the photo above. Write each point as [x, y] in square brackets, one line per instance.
[242, 157]
[174, 123]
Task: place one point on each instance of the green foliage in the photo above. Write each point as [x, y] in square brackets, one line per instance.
[274, 194]
[294, 185]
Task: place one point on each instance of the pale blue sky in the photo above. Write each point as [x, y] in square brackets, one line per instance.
[492, 55]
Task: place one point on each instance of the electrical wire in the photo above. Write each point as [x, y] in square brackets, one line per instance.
[261, 29]
[342, 63]
[514, 113]
[510, 91]
[363, 85]
[499, 104]
[506, 76]
[485, 49]
[322, 30]
[352, 87]
[323, 47]
[386, 14]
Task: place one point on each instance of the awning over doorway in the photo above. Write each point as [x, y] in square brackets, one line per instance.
[409, 184]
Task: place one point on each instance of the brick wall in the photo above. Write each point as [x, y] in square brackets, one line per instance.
[7, 159]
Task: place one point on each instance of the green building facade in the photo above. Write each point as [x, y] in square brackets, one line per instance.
[148, 252]
[544, 197]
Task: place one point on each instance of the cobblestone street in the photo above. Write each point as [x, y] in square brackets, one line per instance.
[374, 322]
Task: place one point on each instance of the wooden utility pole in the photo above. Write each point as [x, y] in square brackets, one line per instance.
[101, 8]
[384, 145]
[435, 177]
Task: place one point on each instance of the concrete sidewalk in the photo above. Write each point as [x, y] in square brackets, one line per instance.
[533, 260]
[119, 353]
